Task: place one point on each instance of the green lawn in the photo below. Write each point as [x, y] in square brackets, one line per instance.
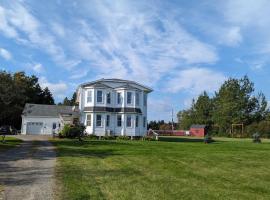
[185, 169]
[10, 142]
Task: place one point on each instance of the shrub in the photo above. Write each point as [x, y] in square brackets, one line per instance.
[256, 138]
[123, 137]
[92, 137]
[72, 131]
[107, 137]
[148, 138]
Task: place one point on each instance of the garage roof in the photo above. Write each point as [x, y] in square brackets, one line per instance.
[48, 110]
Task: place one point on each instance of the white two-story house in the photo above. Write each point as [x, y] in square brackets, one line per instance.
[113, 107]
[106, 107]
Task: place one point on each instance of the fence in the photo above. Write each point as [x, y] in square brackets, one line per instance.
[171, 132]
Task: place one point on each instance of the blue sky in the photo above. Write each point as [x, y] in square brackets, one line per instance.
[179, 48]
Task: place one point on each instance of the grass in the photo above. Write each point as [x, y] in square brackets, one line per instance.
[173, 168]
[10, 142]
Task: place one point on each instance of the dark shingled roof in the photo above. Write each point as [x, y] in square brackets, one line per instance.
[198, 126]
[47, 110]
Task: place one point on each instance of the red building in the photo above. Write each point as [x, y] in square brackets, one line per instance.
[198, 130]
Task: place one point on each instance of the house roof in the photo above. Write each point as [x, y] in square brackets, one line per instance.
[197, 126]
[124, 82]
[48, 110]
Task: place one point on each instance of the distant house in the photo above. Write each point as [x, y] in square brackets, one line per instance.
[106, 106]
[198, 130]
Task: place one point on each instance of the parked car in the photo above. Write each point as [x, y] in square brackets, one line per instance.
[8, 130]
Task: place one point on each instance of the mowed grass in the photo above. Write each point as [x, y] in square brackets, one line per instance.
[10, 142]
[174, 168]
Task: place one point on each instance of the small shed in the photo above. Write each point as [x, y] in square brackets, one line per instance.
[198, 130]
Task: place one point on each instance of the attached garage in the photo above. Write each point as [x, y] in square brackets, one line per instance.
[38, 119]
[34, 128]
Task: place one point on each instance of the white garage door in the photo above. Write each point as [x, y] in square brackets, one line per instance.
[34, 128]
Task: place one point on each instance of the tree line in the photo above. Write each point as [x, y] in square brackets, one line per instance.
[233, 106]
[16, 90]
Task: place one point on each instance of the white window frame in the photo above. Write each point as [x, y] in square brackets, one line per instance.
[98, 120]
[127, 124]
[88, 120]
[100, 102]
[117, 120]
[129, 103]
[89, 96]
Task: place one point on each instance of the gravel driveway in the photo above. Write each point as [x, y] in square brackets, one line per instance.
[27, 171]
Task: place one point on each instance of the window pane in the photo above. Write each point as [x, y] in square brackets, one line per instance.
[129, 97]
[137, 121]
[108, 120]
[144, 121]
[99, 96]
[128, 121]
[98, 121]
[119, 120]
[137, 99]
[88, 120]
[89, 96]
[119, 98]
[108, 98]
[144, 99]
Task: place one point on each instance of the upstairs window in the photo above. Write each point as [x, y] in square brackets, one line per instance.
[119, 98]
[137, 98]
[108, 120]
[89, 96]
[88, 120]
[144, 99]
[129, 97]
[108, 98]
[99, 121]
[99, 96]
[128, 121]
[137, 121]
[119, 120]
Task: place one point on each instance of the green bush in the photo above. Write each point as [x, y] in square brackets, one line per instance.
[107, 137]
[72, 131]
[92, 137]
[123, 137]
[148, 138]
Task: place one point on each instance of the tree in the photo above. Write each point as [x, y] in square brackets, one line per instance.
[70, 102]
[16, 90]
[234, 103]
[47, 97]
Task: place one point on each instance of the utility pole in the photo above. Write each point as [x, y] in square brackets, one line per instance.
[172, 120]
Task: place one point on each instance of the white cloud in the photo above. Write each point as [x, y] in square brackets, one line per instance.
[195, 80]
[38, 68]
[5, 54]
[58, 89]
[230, 36]
[17, 22]
[133, 44]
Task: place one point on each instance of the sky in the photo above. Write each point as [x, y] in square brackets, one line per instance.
[179, 48]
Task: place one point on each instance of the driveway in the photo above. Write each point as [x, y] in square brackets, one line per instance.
[27, 171]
